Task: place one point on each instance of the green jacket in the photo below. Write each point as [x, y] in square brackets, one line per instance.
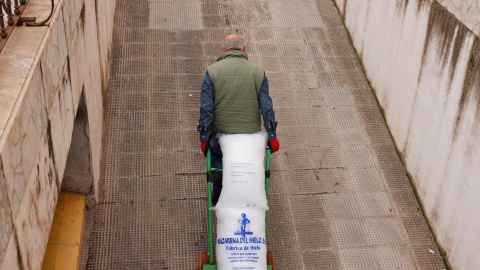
[237, 84]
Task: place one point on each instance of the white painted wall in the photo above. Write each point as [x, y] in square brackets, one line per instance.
[424, 64]
[45, 70]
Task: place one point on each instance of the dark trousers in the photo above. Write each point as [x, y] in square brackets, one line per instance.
[216, 162]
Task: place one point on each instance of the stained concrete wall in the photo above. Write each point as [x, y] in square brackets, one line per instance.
[423, 61]
[466, 11]
[44, 72]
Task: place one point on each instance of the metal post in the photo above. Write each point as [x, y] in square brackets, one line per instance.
[17, 8]
[14, 9]
[210, 214]
[10, 15]
[267, 183]
[3, 32]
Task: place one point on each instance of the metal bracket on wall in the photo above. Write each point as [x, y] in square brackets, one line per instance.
[14, 18]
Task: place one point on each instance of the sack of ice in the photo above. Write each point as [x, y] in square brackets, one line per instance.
[243, 170]
[241, 243]
[240, 210]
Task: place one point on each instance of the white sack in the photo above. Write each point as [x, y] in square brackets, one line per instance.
[243, 170]
[240, 210]
[241, 243]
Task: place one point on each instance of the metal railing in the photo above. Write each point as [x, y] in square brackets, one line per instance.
[13, 10]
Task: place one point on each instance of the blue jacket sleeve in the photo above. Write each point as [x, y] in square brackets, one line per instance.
[207, 99]
[266, 107]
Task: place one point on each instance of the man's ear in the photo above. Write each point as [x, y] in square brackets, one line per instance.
[244, 48]
[223, 49]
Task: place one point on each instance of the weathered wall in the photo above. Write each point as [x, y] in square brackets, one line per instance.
[466, 11]
[45, 71]
[424, 64]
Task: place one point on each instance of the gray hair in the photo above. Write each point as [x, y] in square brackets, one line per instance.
[238, 44]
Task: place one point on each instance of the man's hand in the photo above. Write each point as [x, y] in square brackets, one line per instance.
[204, 147]
[274, 145]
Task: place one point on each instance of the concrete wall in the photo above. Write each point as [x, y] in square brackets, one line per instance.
[45, 71]
[423, 61]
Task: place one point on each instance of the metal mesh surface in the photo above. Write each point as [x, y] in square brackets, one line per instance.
[339, 195]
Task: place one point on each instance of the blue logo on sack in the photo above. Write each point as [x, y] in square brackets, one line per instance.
[243, 226]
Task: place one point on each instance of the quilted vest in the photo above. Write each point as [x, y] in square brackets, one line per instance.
[237, 83]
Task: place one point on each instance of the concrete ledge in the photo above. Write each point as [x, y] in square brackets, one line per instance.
[65, 242]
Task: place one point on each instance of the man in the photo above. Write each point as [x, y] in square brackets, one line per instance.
[234, 92]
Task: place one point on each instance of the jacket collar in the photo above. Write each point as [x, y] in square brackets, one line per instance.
[232, 53]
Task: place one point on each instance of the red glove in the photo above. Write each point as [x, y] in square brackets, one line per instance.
[274, 145]
[202, 146]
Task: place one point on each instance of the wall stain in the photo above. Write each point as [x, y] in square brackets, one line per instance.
[19, 253]
[453, 32]
[421, 4]
[402, 6]
[428, 37]
[450, 32]
[39, 187]
[52, 156]
[82, 16]
[471, 85]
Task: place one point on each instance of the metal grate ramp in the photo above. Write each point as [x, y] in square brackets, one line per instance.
[339, 196]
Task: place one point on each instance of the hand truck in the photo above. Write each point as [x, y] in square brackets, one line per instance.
[205, 259]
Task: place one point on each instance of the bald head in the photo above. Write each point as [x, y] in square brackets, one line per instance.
[233, 42]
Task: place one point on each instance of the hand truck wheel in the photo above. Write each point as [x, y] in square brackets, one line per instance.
[203, 259]
[271, 259]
